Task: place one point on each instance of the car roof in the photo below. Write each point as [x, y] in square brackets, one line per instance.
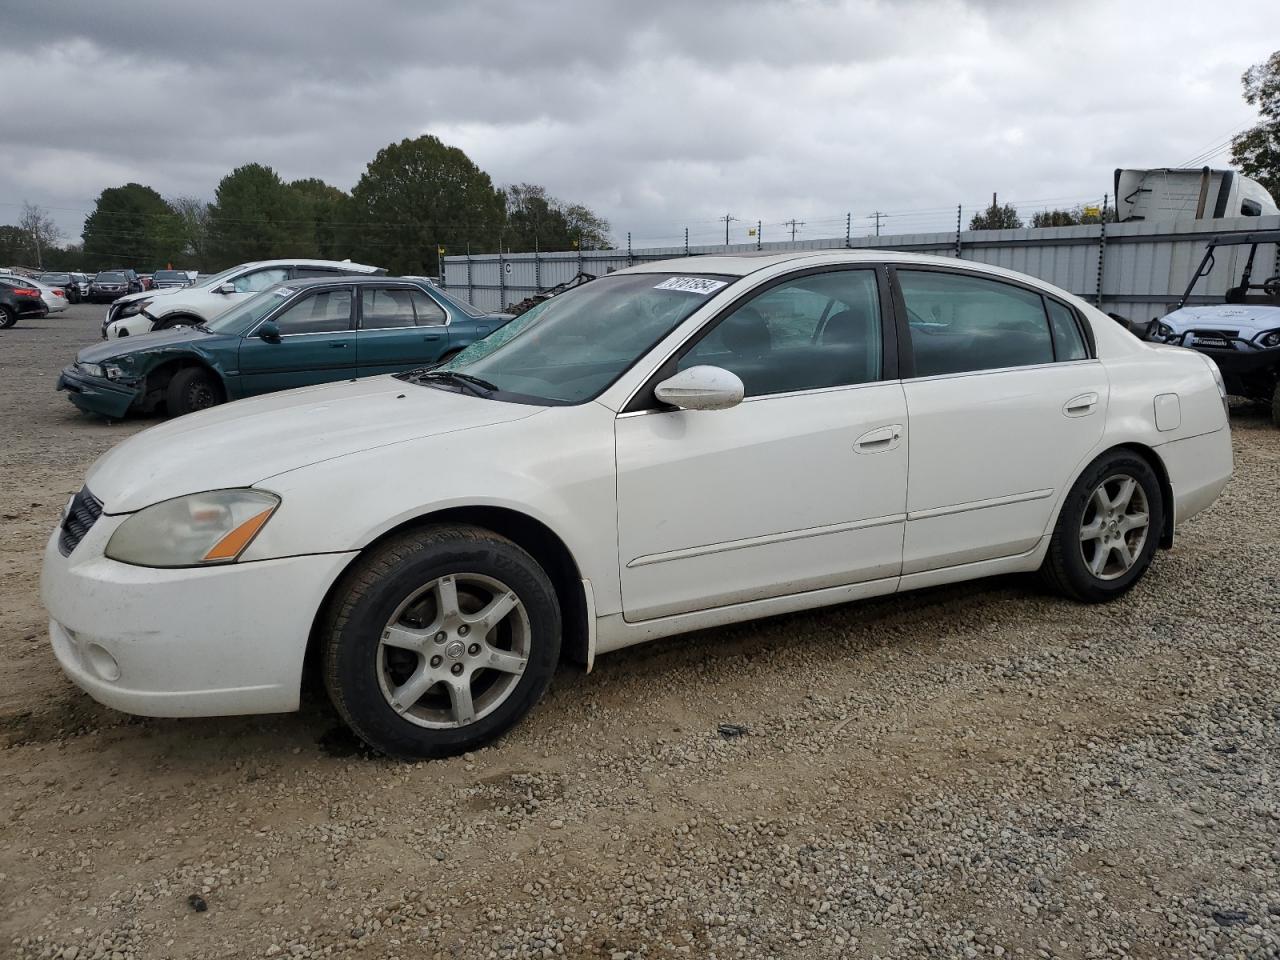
[358, 278]
[303, 262]
[741, 264]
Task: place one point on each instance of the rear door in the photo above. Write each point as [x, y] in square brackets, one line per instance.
[400, 328]
[317, 344]
[1005, 403]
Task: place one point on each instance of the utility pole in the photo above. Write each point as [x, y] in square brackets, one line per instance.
[793, 224]
[878, 215]
[727, 218]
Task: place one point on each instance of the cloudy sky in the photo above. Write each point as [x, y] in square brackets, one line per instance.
[659, 115]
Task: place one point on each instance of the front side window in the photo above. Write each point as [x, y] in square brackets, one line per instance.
[818, 331]
[570, 348]
[382, 308]
[328, 311]
[259, 280]
[961, 324]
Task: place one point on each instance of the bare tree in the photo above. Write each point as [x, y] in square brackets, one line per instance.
[194, 214]
[39, 226]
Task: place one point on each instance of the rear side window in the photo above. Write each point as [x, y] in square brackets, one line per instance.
[430, 313]
[384, 308]
[961, 324]
[1068, 344]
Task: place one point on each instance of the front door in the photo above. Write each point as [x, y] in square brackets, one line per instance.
[1005, 406]
[400, 328]
[801, 486]
[317, 345]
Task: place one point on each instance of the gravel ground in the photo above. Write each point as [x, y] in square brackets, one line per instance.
[975, 771]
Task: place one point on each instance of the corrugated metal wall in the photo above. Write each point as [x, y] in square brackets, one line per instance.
[1145, 266]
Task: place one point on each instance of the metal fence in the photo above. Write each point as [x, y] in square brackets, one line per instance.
[1138, 270]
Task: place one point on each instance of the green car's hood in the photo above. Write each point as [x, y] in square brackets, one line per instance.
[145, 342]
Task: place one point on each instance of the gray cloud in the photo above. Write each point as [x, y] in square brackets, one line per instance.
[658, 115]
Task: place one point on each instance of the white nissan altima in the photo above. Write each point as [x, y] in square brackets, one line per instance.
[671, 447]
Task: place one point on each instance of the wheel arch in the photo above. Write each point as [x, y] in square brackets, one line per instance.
[1153, 460]
[528, 533]
[158, 377]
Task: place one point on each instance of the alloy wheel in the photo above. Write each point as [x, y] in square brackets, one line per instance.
[1115, 526]
[454, 651]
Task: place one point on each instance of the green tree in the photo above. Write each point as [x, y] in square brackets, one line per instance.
[996, 217]
[131, 226]
[323, 208]
[1068, 218]
[416, 195]
[15, 246]
[536, 220]
[1257, 151]
[254, 216]
[590, 229]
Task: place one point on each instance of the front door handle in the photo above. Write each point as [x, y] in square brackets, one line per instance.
[337, 346]
[1080, 406]
[432, 336]
[879, 439]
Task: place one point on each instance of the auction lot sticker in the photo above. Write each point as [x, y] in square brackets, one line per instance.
[699, 285]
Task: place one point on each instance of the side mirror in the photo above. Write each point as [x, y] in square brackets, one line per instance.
[269, 332]
[701, 388]
[227, 287]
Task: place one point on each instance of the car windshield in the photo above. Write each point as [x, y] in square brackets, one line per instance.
[169, 275]
[54, 278]
[110, 277]
[217, 278]
[570, 348]
[240, 319]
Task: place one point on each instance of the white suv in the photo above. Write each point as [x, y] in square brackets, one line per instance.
[207, 298]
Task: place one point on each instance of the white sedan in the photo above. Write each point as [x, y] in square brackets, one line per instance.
[55, 298]
[668, 448]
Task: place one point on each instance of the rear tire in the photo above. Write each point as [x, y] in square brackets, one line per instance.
[1275, 405]
[192, 389]
[1108, 529]
[439, 641]
[8, 317]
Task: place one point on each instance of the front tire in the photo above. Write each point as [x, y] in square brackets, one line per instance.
[439, 641]
[192, 389]
[1108, 530]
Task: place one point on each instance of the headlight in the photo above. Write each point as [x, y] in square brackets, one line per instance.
[92, 369]
[133, 309]
[1269, 338]
[197, 530]
[1164, 331]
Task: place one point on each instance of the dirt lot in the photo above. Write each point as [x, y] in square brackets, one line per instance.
[982, 770]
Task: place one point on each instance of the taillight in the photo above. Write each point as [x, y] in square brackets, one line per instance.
[26, 292]
[58, 293]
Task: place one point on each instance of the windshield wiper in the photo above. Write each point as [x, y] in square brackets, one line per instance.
[475, 385]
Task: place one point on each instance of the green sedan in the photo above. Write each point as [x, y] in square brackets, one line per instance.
[298, 334]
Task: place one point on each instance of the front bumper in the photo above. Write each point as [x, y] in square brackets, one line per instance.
[107, 398]
[197, 642]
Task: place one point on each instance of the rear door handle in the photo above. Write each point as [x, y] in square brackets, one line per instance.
[879, 439]
[1080, 406]
[432, 336]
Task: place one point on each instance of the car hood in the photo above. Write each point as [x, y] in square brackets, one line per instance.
[243, 443]
[1248, 318]
[142, 342]
[149, 294]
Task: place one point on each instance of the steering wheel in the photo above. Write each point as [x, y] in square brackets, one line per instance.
[1271, 286]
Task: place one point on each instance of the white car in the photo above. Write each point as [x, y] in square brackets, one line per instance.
[55, 298]
[674, 446]
[160, 309]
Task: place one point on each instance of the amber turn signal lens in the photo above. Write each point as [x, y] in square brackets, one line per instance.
[233, 544]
